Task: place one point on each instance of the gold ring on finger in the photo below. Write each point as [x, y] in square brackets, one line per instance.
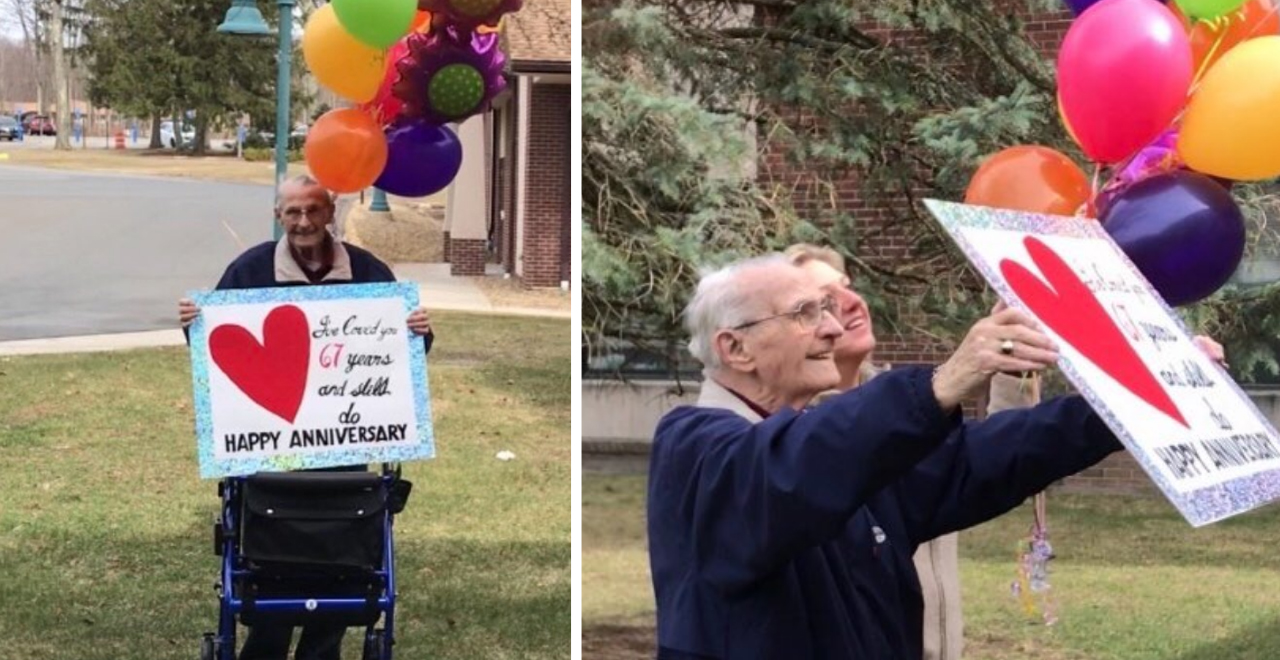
[1006, 347]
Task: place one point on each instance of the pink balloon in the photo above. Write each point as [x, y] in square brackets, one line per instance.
[1123, 74]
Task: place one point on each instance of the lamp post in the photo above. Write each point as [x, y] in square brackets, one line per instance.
[244, 19]
[379, 202]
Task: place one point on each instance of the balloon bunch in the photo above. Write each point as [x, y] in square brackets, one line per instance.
[1176, 102]
[410, 66]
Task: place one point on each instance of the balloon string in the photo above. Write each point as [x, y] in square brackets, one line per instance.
[1208, 58]
[1093, 187]
[1042, 512]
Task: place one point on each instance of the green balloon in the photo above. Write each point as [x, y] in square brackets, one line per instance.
[377, 23]
[455, 90]
[1206, 10]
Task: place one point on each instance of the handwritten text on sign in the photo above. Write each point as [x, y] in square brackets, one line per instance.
[1188, 424]
[308, 377]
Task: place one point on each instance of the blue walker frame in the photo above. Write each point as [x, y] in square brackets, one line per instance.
[378, 642]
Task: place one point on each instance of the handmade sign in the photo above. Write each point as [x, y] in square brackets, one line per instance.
[308, 377]
[1181, 416]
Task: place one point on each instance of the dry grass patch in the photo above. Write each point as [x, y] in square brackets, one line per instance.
[412, 233]
[512, 293]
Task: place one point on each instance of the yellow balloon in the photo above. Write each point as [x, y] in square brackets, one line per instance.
[1230, 129]
[341, 63]
[485, 29]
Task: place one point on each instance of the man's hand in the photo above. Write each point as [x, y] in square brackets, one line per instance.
[420, 322]
[187, 312]
[1211, 349]
[1009, 340]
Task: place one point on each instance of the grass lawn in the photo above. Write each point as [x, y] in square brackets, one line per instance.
[1132, 581]
[105, 528]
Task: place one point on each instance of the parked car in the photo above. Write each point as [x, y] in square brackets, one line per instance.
[298, 133]
[9, 128]
[40, 125]
[168, 139]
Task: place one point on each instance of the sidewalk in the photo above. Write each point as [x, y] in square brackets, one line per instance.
[439, 291]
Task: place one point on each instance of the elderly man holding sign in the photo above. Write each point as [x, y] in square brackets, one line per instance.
[780, 531]
[293, 373]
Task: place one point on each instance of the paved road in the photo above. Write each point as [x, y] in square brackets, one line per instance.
[84, 254]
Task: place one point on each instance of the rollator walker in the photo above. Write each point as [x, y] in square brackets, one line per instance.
[303, 547]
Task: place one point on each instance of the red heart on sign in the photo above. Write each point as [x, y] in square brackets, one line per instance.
[1067, 306]
[274, 373]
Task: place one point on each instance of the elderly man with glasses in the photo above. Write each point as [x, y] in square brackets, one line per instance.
[781, 531]
[308, 254]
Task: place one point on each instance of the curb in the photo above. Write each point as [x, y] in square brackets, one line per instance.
[173, 337]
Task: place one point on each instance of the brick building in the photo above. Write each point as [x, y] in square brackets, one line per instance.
[526, 143]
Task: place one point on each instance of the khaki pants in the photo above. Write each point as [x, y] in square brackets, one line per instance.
[938, 564]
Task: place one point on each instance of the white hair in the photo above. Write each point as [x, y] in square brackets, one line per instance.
[720, 302]
[301, 181]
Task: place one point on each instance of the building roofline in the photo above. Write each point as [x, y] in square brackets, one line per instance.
[541, 66]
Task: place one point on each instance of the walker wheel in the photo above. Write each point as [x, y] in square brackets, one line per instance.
[208, 647]
[374, 645]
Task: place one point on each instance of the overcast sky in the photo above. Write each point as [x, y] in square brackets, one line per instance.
[9, 28]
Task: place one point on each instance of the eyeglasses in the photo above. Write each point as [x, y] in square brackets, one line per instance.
[808, 314]
[310, 212]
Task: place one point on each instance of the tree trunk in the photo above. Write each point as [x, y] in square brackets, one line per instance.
[62, 141]
[202, 138]
[155, 132]
[177, 129]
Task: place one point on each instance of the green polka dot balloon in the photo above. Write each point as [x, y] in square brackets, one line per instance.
[456, 90]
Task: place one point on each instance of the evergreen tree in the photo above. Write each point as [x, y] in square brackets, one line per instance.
[160, 57]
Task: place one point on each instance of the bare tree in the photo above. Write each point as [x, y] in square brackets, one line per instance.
[58, 50]
[17, 72]
[27, 13]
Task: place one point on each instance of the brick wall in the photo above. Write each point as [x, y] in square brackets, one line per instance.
[546, 211]
[884, 242]
[1119, 473]
[466, 256]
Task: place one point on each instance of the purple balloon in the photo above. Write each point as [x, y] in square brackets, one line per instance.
[421, 159]
[1078, 6]
[1155, 158]
[1182, 230]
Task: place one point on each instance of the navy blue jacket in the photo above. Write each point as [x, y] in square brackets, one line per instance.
[264, 265]
[791, 538]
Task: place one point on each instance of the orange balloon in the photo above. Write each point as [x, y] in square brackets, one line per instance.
[421, 22]
[1256, 18]
[1029, 178]
[346, 150]
[485, 29]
